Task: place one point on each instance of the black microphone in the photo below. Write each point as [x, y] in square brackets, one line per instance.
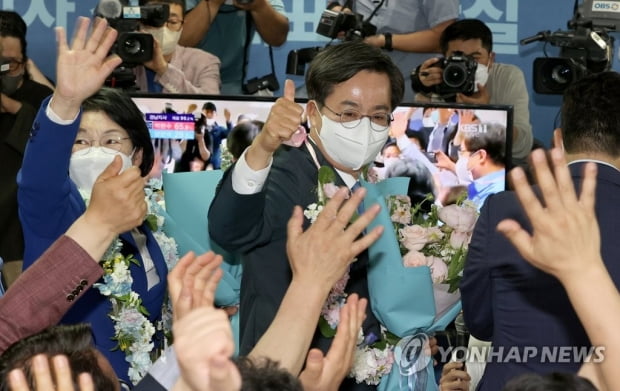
[538, 37]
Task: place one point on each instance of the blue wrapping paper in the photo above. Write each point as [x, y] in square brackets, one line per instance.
[402, 298]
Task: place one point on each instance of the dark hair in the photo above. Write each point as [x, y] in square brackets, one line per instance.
[551, 382]
[74, 341]
[466, 29]
[241, 136]
[179, 2]
[489, 136]
[263, 374]
[12, 25]
[389, 144]
[121, 109]
[416, 134]
[420, 180]
[339, 63]
[590, 117]
[209, 106]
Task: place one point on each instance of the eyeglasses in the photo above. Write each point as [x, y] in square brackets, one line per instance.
[174, 24]
[349, 118]
[109, 141]
[10, 64]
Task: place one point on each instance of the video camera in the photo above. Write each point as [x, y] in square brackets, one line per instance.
[458, 75]
[584, 49]
[331, 25]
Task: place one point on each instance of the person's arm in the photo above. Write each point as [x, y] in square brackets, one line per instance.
[37, 75]
[197, 72]
[46, 291]
[271, 25]
[318, 258]
[423, 41]
[204, 152]
[198, 21]
[572, 253]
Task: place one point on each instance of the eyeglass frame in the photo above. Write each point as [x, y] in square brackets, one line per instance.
[460, 152]
[390, 118]
[13, 63]
[78, 147]
[174, 22]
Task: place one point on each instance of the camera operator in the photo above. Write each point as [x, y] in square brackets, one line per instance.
[175, 68]
[406, 29]
[222, 28]
[505, 83]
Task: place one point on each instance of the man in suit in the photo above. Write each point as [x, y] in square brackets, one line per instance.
[45, 292]
[353, 89]
[525, 312]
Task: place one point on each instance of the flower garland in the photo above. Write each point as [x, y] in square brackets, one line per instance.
[374, 355]
[133, 331]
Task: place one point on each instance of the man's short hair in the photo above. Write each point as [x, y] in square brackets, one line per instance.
[339, 63]
[488, 136]
[590, 115]
[420, 180]
[209, 106]
[265, 375]
[551, 382]
[466, 29]
[74, 341]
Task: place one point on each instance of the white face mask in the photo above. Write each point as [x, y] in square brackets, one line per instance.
[389, 161]
[156, 32]
[482, 75]
[86, 165]
[428, 122]
[210, 121]
[462, 173]
[352, 148]
[170, 40]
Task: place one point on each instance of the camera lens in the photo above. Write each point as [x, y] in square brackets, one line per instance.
[454, 75]
[562, 74]
[132, 46]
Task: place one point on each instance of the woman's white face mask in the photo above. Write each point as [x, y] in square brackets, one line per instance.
[86, 165]
[351, 147]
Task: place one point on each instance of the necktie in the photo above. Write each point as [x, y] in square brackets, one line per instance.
[360, 207]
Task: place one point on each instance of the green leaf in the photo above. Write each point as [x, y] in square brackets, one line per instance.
[326, 175]
[326, 329]
[151, 222]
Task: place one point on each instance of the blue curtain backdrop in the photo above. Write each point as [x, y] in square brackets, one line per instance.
[510, 21]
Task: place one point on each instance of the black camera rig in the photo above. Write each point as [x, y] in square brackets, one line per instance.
[586, 47]
[133, 47]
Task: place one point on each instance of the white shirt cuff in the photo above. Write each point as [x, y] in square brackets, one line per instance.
[245, 180]
[55, 118]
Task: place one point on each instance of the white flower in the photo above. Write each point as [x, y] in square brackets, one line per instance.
[312, 212]
[439, 269]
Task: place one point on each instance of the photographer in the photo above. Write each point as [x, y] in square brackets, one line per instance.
[175, 68]
[406, 29]
[505, 84]
[220, 27]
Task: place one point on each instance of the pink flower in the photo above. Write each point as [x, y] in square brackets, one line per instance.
[460, 239]
[460, 218]
[330, 190]
[434, 234]
[414, 259]
[413, 237]
[439, 269]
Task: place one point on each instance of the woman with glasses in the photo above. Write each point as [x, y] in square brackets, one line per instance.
[175, 68]
[77, 133]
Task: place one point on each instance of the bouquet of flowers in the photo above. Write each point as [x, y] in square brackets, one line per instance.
[414, 270]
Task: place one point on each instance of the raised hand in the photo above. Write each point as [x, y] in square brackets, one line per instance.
[322, 254]
[193, 281]
[565, 237]
[117, 200]
[325, 373]
[61, 380]
[284, 119]
[82, 68]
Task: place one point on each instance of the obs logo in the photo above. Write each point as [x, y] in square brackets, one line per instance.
[605, 6]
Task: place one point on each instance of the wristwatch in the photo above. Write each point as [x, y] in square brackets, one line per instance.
[388, 42]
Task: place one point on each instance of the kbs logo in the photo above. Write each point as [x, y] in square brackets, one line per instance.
[606, 6]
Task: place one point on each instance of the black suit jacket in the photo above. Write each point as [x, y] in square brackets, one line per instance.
[515, 305]
[255, 225]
